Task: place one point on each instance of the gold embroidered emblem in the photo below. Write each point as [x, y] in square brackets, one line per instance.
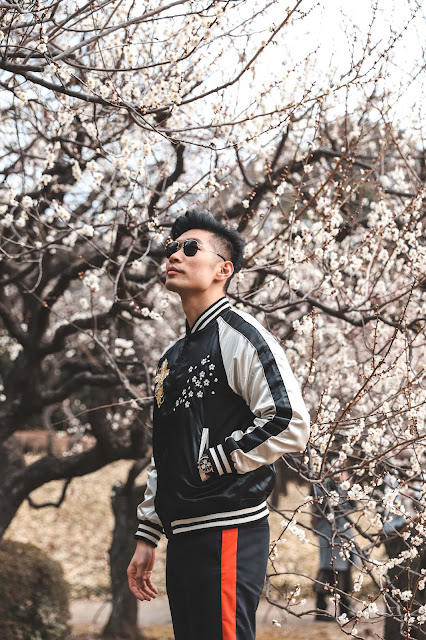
[160, 376]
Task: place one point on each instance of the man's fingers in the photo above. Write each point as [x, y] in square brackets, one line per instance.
[140, 583]
[142, 592]
[134, 588]
[147, 588]
[139, 572]
[151, 585]
[136, 581]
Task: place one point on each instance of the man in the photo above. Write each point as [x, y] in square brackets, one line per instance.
[226, 407]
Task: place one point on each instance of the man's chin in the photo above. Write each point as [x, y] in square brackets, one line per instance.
[172, 286]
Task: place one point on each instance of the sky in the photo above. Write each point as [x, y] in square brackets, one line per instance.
[335, 31]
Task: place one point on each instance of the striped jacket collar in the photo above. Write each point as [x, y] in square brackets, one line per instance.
[208, 315]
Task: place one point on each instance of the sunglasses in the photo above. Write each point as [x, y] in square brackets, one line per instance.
[190, 248]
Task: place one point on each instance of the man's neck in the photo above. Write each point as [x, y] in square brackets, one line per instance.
[194, 305]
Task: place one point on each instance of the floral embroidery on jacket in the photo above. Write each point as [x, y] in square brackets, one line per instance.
[197, 383]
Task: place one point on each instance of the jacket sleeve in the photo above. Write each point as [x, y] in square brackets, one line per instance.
[150, 528]
[257, 369]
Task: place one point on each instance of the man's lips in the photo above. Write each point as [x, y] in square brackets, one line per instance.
[172, 270]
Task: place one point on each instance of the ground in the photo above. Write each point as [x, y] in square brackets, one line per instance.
[89, 617]
[78, 535]
[313, 633]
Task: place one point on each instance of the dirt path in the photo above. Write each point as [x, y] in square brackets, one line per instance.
[88, 617]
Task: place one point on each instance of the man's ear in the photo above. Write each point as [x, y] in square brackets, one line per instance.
[226, 270]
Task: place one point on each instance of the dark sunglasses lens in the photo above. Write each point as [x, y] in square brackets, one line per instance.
[171, 248]
[190, 247]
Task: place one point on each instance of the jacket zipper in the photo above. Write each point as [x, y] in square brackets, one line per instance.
[204, 444]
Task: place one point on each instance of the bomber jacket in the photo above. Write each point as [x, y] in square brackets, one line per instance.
[225, 389]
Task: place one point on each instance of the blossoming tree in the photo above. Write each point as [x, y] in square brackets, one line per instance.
[115, 118]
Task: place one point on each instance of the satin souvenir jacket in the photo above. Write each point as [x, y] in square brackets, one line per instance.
[225, 389]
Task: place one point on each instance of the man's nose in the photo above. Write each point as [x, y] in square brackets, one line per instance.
[177, 255]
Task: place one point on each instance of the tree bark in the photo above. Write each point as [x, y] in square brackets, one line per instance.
[403, 576]
[122, 624]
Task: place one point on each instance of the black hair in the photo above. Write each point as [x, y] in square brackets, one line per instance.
[230, 241]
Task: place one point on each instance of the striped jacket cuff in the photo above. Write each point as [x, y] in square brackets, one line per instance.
[149, 532]
[221, 460]
[223, 520]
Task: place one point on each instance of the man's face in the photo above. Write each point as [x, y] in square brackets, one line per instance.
[191, 274]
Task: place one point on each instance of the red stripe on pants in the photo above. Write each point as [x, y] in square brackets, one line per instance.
[228, 587]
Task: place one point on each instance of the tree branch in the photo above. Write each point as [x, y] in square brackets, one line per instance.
[57, 504]
[99, 321]
[162, 184]
[75, 383]
[12, 325]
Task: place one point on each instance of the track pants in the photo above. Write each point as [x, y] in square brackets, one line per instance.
[215, 580]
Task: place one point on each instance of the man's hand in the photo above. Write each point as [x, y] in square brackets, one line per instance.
[139, 572]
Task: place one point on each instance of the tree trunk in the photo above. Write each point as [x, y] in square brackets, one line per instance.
[393, 626]
[11, 461]
[403, 577]
[122, 624]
